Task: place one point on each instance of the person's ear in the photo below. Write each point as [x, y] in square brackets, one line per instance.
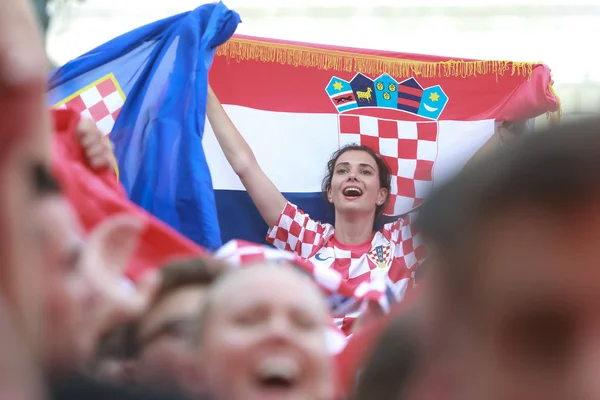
[382, 196]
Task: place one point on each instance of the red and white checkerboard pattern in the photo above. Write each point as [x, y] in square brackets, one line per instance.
[409, 148]
[240, 252]
[298, 233]
[101, 103]
[359, 276]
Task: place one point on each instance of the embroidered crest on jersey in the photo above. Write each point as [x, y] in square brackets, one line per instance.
[398, 120]
[380, 255]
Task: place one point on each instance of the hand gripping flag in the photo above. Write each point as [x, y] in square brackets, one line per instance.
[95, 195]
[147, 89]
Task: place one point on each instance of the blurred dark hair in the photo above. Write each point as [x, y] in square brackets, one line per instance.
[116, 344]
[43, 181]
[382, 168]
[555, 170]
[394, 362]
[188, 272]
[176, 275]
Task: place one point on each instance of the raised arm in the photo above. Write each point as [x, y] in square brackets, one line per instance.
[266, 197]
[506, 133]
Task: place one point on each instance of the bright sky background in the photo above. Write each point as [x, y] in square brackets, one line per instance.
[560, 33]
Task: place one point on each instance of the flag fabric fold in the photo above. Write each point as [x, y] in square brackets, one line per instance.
[95, 197]
[147, 89]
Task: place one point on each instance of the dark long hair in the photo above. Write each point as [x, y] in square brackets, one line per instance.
[382, 168]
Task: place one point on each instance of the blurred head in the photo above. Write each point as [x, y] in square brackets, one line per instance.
[396, 359]
[519, 276]
[167, 331]
[262, 336]
[24, 138]
[69, 290]
[20, 258]
[357, 181]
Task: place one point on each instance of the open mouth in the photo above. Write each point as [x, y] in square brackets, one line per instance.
[352, 192]
[276, 383]
[278, 375]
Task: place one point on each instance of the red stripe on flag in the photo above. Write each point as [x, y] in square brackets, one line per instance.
[408, 102]
[243, 78]
[410, 90]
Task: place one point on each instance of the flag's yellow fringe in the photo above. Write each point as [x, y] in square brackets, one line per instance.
[341, 61]
[555, 116]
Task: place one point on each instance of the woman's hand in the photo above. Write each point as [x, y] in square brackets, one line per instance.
[96, 146]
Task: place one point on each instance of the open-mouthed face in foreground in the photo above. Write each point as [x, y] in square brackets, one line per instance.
[264, 337]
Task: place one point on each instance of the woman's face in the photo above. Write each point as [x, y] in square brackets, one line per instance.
[355, 184]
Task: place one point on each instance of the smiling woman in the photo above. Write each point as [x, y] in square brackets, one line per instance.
[335, 167]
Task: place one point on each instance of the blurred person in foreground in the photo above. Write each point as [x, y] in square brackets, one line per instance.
[516, 286]
[24, 151]
[82, 277]
[24, 135]
[263, 336]
[396, 359]
[166, 332]
[402, 361]
[85, 294]
[114, 359]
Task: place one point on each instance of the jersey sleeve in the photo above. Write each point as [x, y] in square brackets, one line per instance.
[295, 231]
[404, 228]
[404, 233]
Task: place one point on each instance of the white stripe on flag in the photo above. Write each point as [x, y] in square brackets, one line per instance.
[293, 148]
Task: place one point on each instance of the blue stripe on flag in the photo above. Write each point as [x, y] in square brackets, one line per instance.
[239, 218]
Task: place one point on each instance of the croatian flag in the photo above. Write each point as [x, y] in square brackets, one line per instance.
[297, 103]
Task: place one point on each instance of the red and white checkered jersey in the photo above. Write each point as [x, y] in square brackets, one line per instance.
[386, 263]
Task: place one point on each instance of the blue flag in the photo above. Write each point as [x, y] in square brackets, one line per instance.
[148, 88]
